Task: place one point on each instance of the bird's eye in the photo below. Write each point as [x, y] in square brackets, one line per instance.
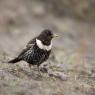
[49, 33]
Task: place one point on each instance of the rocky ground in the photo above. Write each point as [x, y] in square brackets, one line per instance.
[71, 66]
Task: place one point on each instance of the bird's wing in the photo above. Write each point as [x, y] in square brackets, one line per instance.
[31, 42]
[23, 51]
[28, 46]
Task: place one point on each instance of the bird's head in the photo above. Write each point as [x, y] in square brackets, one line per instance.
[46, 36]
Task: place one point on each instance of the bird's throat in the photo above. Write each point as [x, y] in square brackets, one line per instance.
[42, 46]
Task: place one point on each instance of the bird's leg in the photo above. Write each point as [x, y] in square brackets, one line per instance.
[38, 66]
[30, 66]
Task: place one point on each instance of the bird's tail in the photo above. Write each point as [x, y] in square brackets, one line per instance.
[14, 60]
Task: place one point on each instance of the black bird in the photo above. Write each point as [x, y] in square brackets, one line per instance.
[37, 50]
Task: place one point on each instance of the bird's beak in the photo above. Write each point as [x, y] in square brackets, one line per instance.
[55, 35]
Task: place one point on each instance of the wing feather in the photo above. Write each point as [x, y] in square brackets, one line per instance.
[28, 46]
[31, 42]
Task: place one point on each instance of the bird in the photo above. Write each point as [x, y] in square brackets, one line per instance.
[37, 50]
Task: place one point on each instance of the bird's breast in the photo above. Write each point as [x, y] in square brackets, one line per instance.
[41, 54]
[37, 55]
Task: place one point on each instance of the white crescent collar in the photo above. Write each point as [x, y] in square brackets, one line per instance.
[42, 46]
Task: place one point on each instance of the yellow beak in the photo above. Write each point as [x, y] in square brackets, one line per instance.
[55, 35]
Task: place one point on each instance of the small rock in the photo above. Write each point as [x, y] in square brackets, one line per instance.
[59, 75]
